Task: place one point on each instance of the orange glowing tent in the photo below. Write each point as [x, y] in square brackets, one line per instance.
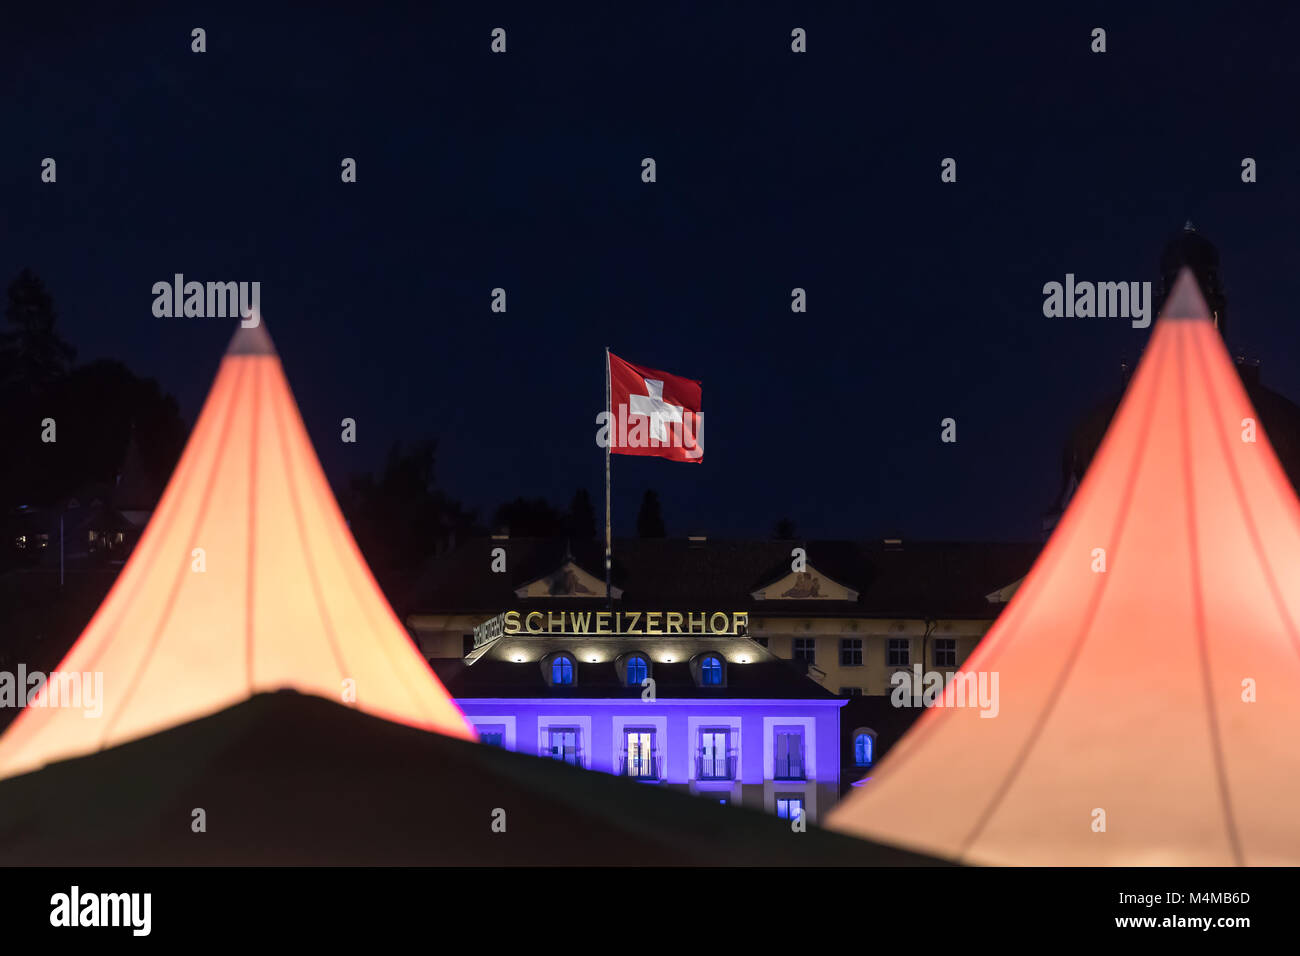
[246, 580]
[1147, 706]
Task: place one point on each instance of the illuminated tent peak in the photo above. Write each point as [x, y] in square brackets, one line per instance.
[246, 580]
[1185, 299]
[255, 340]
[1145, 710]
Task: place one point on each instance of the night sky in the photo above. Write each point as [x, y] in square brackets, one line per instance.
[775, 170]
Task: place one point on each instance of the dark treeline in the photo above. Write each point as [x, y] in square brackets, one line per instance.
[69, 429]
[66, 428]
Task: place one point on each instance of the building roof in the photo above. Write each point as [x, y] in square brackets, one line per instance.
[1145, 667]
[936, 579]
[296, 780]
[752, 672]
[277, 595]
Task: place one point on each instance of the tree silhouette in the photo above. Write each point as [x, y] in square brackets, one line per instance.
[582, 516]
[529, 518]
[31, 352]
[97, 410]
[401, 517]
[650, 519]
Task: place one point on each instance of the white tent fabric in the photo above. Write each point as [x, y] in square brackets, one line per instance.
[1148, 712]
[246, 580]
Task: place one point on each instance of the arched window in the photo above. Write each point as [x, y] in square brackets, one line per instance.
[711, 671]
[562, 669]
[637, 670]
[864, 748]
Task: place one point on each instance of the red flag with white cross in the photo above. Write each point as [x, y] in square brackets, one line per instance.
[654, 413]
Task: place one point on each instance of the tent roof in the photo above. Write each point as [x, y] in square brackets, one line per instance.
[1156, 696]
[245, 580]
[251, 340]
[289, 779]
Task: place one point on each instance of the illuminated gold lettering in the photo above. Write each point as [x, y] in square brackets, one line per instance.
[690, 622]
[528, 622]
[512, 622]
[602, 622]
[652, 625]
[635, 627]
[714, 626]
[674, 622]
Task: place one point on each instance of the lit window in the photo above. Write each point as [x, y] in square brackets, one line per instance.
[716, 759]
[864, 749]
[900, 652]
[639, 758]
[562, 670]
[637, 670]
[788, 754]
[711, 671]
[564, 745]
[789, 806]
[945, 652]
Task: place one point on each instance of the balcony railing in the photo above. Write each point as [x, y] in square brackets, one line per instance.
[716, 767]
[640, 768]
[788, 768]
[571, 756]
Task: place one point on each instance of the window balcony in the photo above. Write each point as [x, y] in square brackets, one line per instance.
[716, 768]
[640, 767]
[574, 758]
[788, 768]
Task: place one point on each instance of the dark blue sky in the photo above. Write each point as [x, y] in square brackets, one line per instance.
[775, 170]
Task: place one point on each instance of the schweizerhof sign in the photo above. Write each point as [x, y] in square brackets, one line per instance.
[612, 624]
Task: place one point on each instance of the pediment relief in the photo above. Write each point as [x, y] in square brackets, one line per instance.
[567, 581]
[809, 585]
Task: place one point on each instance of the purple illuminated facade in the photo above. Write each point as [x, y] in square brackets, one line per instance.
[755, 672]
[760, 753]
[717, 716]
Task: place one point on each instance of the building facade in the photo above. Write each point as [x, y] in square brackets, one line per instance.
[711, 713]
[756, 672]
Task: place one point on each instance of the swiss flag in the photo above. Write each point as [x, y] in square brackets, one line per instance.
[654, 413]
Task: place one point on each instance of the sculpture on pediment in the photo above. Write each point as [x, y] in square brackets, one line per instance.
[806, 585]
[565, 582]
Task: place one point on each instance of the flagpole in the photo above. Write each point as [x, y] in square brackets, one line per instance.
[609, 594]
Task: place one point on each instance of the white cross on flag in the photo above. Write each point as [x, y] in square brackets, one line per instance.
[654, 413]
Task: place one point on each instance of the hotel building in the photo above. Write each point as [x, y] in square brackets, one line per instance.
[753, 672]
